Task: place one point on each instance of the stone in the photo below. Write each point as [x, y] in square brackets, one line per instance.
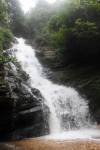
[21, 107]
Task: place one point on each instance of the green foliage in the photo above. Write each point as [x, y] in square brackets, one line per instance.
[89, 2]
[5, 38]
[5, 34]
[58, 38]
[71, 27]
[55, 23]
[3, 14]
[16, 16]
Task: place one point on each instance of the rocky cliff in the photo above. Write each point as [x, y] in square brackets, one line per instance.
[84, 78]
[21, 107]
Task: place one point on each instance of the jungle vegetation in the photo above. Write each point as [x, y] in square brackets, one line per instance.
[70, 27]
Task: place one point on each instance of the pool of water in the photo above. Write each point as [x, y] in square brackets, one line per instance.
[89, 134]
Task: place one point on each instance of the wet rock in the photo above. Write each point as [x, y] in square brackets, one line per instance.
[21, 107]
[6, 107]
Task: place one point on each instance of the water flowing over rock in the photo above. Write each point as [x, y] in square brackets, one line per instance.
[33, 106]
[68, 110]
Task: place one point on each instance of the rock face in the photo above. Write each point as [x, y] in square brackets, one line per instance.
[84, 78]
[22, 109]
[6, 106]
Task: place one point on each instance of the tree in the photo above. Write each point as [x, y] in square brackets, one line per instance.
[89, 2]
[16, 16]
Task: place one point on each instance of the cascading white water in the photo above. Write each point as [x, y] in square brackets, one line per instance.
[67, 108]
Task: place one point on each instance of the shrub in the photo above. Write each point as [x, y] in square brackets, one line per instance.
[5, 38]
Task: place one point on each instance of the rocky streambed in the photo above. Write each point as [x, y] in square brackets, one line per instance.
[41, 144]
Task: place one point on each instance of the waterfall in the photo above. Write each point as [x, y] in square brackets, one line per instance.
[68, 110]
